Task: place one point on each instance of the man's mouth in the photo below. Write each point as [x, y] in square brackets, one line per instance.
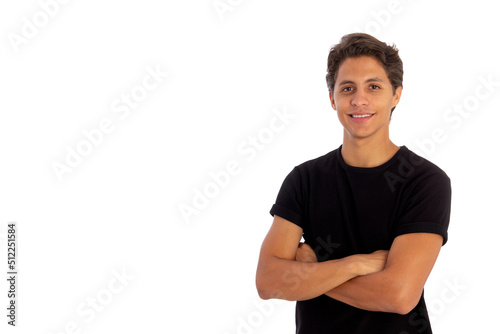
[361, 116]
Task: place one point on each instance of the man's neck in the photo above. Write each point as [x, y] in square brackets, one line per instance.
[366, 152]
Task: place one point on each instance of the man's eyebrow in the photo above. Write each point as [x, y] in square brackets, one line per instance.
[344, 82]
[374, 79]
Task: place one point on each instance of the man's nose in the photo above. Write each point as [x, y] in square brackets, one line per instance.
[359, 98]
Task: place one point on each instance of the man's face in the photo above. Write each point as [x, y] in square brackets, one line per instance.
[363, 98]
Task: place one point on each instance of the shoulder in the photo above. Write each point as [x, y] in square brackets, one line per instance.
[319, 164]
[421, 165]
[311, 171]
[418, 170]
[408, 171]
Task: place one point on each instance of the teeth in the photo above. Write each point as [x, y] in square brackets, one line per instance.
[359, 116]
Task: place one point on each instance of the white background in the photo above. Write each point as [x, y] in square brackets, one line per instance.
[118, 209]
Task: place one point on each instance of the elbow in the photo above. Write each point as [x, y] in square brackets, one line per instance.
[263, 294]
[262, 290]
[266, 294]
[404, 302]
[267, 290]
[262, 286]
[403, 308]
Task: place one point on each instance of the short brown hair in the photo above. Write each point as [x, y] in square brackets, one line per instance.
[359, 44]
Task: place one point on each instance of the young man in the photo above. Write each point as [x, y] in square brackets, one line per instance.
[373, 215]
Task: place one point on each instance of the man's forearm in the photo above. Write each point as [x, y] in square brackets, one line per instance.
[398, 287]
[375, 292]
[292, 280]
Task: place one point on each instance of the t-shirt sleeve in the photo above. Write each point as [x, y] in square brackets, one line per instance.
[427, 208]
[290, 200]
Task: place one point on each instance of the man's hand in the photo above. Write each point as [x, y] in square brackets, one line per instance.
[365, 263]
[305, 253]
[372, 263]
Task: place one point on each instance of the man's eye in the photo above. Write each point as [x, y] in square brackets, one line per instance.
[374, 87]
[347, 89]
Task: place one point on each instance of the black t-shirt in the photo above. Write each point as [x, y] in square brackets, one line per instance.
[345, 210]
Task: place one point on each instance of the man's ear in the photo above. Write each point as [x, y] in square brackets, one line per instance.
[332, 101]
[397, 96]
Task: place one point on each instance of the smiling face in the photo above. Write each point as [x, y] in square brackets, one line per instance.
[363, 98]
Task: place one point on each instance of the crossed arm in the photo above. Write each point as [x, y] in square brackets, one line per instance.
[383, 281]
